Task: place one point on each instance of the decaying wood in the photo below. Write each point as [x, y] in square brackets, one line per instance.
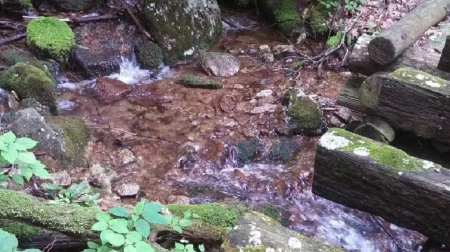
[12, 38]
[360, 61]
[9, 24]
[88, 19]
[415, 197]
[349, 95]
[376, 128]
[394, 40]
[410, 100]
[444, 62]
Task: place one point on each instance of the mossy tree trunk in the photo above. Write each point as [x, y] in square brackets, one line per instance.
[350, 171]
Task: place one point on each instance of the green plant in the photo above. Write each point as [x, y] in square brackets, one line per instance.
[184, 246]
[121, 230]
[76, 193]
[14, 151]
[9, 243]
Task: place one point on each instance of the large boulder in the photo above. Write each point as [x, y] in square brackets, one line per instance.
[50, 37]
[182, 27]
[30, 82]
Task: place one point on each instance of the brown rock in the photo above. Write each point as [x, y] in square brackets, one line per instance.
[108, 90]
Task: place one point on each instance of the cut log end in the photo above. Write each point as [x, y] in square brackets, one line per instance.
[381, 50]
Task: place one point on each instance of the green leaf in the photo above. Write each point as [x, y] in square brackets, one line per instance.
[187, 214]
[3, 177]
[115, 239]
[189, 247]
[26, 142]
[179, 246]
[133, 237]
[18, 179]
[8, 137]
[8, 241]
[3, 146]
[195, 215]
[32, 250]
[129, 248]
[152, 207]
[90, 250]
[104, 234]
[139, 208]
[178, 229]
[10, 155]
[104, 248]
[102, 216]
[119, 225]
[142, 227]
[185, 223]
[175, 221]
[26, 172]
[93, 245]
[201, 247]
[142, 246]
[119, 211]
[152, 216]
[100, 226]
[26, 157]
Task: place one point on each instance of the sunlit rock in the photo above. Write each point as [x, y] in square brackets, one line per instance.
[220, 64]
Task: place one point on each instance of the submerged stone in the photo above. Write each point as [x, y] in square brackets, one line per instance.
[108, 90]
[219, 64]
[182, 27]
[197, 82]
[149, 55]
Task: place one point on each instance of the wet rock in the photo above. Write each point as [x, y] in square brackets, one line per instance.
[264, 49]
[305, 116]
[50, 37]
[265, 100]
[102, 47]
[219, 64]
[178, 199]
[32, 103]
[197, 82]
[264, 93]
[12, 56]
[127, 189]
[30, 82]
[182, 27]
[256, 231]
[336, 122]
[263, 109]
[283, 149]
[108, 90]
[268, 57]
[344, 114]
[246, 150]
[13, 103]
[126, 157]
[283, 51]
[149, 55]
[61, 178]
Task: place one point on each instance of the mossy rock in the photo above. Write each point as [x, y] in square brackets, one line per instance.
[283, 149]
[318, 16]
[246, 150]
[304, 114]
[18, 228]
[75, 136]
[193, 81]
[149, 55]
[50, 37]
[284, 13]
[30, 82]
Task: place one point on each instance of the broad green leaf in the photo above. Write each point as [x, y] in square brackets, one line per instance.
[201, 247]
[3, 177]
[187, 214]
[139, 208]
[175, 221]
[18, 179]
[189, 247]
[16, 146]
[154, 217]
[103, 217]
[119, 211]
[185, 222]
[26, 172]
[90, 250]
[129, 248]
[119, 225]
[133, 237]
[52, 187]
[26, 142]
[115, 239]
[8, 241]
[134, 216]
[32, 250]
[26, 157]
[104, 248]
[92, 245]
[10, 155]
[152, 207]
[142, 246]
[179, 246]
[130, 224]
[100, 226]
[104, 234]
[3, 146]
[178, 229]
[42, 173]
[8, 137]
[142, 227]
[37, 165]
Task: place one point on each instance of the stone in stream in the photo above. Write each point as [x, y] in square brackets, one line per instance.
[149, 55]
[102, 47]
[126, 189]
[108, 90]
[256, 232]
[219, 64]
[182, 27]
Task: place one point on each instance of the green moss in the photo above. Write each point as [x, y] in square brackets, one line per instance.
[30, 82]
[196, 82]
[304, 113]
[59, 216]
[19, 229]
[334, 41]
[50, 37]
[317, 19]
[393, 158]
[149, 55]
[216, 214]
[283, 149]
[75, 135]
[26, 4]
[421, 79]
[246, 149]
[274, 212]
[12, 56]
[287, 16]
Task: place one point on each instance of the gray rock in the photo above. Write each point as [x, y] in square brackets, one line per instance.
[268, 57]
[343, 113]
[220, 64]
[126, 157]
[257, 231]
[61, 178]
[127, 189]
[283, 51]
[263, 109]
[182, 27]
[264, 49]
[101, 176]
[108, 90]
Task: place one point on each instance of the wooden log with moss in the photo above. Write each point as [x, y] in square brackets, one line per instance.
[370, 176]
[193, 81]
[349, 95]
[360, 61]
[411, 101]
[394, 40]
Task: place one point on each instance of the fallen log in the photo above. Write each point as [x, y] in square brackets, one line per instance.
[9, 24]
[444, 62]
[360, 61]
[411, 101]
[12, 38]
[349, 95]
[395, 39]
[370, 176]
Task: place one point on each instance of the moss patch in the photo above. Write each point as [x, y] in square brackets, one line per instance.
[30, 82]
[317, 19]
[283, 149]
[149, 55]
[304, 113]
[391, 157]
[287, 16]
[75, 135]
[19, 229]
[50, 37]
[246, 149]
[197, 82]
[421, 79]
[216, 214]
[12, 56]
